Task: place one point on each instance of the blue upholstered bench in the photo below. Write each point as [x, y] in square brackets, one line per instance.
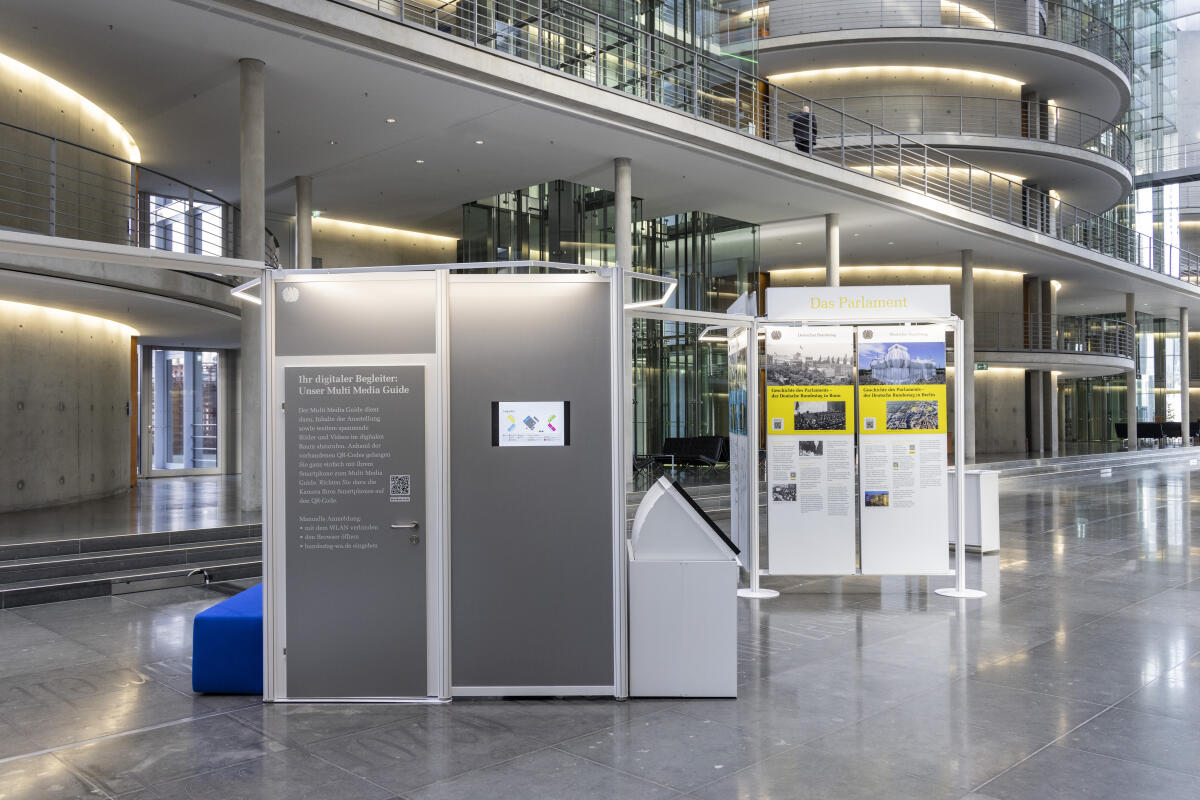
[227, 645]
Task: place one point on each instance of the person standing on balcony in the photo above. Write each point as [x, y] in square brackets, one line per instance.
[804, 129]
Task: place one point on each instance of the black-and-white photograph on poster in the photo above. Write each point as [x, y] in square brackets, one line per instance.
[797, 356]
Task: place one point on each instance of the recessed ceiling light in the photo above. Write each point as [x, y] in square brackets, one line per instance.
[208, 190]
[799, 242]
[858, 234]
[479, 141]
[390, 120]
[891, 242]
[333, 141]
[420, 161]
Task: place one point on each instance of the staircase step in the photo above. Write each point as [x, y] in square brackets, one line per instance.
[63, 566]
[101, 584]
[124, 541]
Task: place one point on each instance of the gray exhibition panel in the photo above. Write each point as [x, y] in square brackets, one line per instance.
[532, 563]
[354, 439]
[354, 317]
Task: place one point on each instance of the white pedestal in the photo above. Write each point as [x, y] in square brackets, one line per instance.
[983, 510]
[683, 628]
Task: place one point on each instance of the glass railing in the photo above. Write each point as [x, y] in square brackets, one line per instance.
[1078, 335]
[1061, 22]
[989, 116]
[53, 187]
[571, 40]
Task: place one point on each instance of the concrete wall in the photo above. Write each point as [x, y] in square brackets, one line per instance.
[350, 244]
[92, 195]
[64, 392]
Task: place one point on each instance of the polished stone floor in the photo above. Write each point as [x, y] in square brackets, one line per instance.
[1077, 677]
[155, 504]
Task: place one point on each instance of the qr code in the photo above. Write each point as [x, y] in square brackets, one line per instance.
[868, 423]
[400, 485]
[777, 423]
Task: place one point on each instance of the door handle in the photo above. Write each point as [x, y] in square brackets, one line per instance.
[413, 524]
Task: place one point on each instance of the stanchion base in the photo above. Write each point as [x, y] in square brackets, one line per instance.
[953, 592]
[758, 594]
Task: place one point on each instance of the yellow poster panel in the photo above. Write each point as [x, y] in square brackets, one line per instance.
[902, 409]
[810, 409]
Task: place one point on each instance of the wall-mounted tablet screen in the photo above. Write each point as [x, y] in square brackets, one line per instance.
[533, 423]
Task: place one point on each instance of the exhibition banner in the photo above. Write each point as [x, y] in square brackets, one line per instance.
[740, 507]
[858, 304]
[902, 449]
[810, 450]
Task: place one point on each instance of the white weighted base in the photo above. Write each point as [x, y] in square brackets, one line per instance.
[953, 592]
[758, 594]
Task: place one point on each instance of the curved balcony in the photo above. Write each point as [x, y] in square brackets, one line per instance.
[916, 115]
[1084, 158]
[53, 187]
[1065, 52]
[1060, 22]
[1077, 345]
[587, 46]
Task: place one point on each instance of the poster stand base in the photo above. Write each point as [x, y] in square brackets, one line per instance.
[758, 594]
[953, 592]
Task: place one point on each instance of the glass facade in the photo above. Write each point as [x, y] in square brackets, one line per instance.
[681, 385]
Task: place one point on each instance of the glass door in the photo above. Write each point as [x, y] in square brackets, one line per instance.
[182, 412]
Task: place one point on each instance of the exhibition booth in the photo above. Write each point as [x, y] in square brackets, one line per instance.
[447, 457]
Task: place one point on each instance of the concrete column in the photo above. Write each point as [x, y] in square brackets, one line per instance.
[1131, 375]
[252, 245]
[304, 210]
[967, 310]
[623, 169]
[833, 251]
[1049, 389]
[1037, 413]
[1185, 381]
[1049, 315]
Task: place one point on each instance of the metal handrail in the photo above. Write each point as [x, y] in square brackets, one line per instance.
[1061, 22]
[52, 186]
[582, 44]
[988, 116]
[1168, 158]
[1001, 331]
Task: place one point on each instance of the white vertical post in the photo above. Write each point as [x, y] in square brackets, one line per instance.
[1131, 375]
[967, 312]
[960, 480]
[1185, 378]
[619, 395]
[755, 592]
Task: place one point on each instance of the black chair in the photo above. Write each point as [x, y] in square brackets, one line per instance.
[691, 451]
[1149, 430]
[1122, 429]
[1172, 430]
[1194, 428]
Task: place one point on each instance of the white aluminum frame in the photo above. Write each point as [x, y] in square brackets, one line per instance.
[955, 325]
[437, 466]
[274, 496]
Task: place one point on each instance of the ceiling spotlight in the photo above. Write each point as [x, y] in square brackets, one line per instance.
[857, 235]
[333, 141]
[799, 242]
[891, 242]
[479, 141]
[420, 161]
[390, 120]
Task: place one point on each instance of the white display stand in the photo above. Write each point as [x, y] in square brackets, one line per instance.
[682, 601]
[982, 534]
[882, 306]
